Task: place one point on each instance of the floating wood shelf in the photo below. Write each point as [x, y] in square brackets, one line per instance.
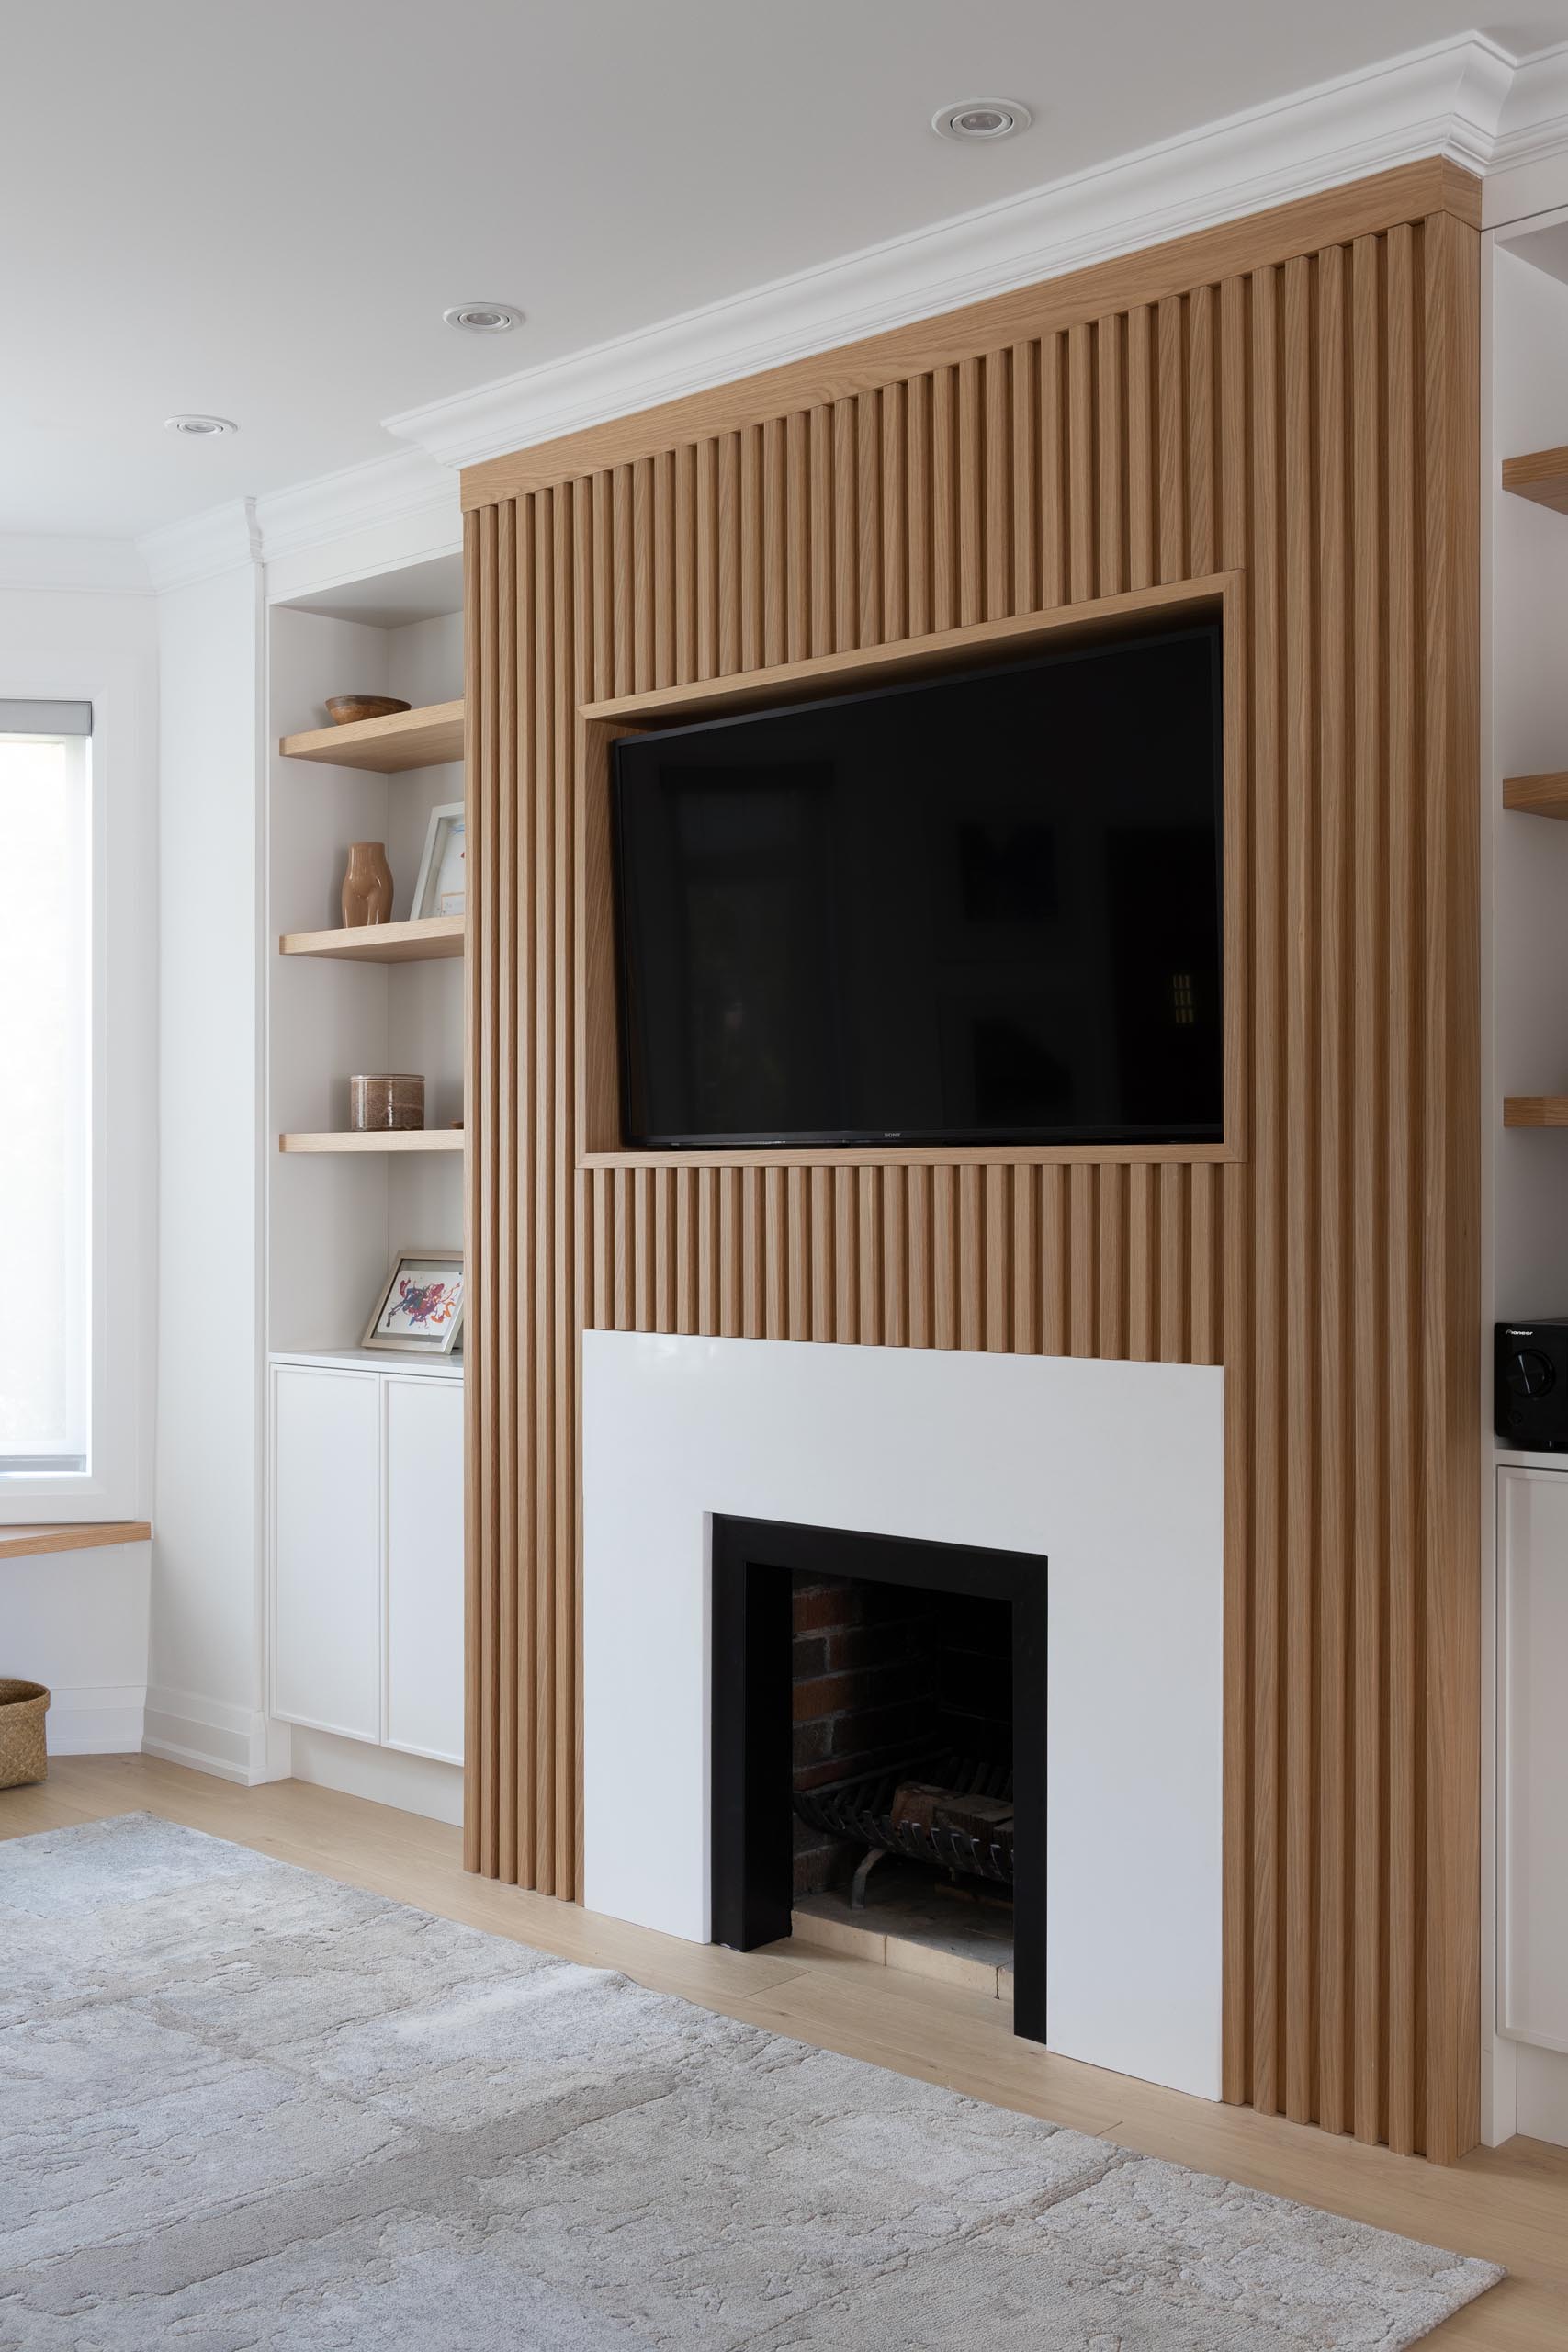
[405, 738]
[80, 1536]
[381, 943]
[1540, 796]
[1536, 1111]
[1542, 477]
[407, 1139]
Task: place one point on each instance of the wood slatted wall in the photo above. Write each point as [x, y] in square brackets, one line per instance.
[1309, 418]
[1085, 1261]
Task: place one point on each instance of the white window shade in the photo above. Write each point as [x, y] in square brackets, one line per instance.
[45, 718]
[46, 995]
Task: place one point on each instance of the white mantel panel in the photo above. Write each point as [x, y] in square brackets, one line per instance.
[1114, 1471]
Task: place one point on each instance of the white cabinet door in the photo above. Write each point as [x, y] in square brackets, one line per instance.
[326, 1519]
[1532, 1579]
[424, 1566]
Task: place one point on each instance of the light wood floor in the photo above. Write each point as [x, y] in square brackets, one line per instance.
[1508, 2204]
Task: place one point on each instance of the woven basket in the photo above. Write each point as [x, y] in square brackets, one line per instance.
[23, 1756]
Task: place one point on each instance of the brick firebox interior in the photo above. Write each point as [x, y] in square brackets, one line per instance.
[886, 1676]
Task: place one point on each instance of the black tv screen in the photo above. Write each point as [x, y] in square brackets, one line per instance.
[985, 908]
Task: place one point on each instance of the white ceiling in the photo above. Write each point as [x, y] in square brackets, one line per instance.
[262, 207]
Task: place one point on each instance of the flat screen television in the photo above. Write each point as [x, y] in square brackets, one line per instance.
[981, 908]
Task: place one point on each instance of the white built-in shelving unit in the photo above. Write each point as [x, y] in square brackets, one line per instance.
[1524, 1148]
[365, 1448]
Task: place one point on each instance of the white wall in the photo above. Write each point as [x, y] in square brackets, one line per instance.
[205, 1702]
[78, 1621]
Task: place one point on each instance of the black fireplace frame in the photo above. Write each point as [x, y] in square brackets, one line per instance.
[753, 1562]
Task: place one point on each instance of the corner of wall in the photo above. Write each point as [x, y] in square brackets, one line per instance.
[231, 1742]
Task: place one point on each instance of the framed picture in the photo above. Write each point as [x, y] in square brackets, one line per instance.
[442, 886]
[420, 1310]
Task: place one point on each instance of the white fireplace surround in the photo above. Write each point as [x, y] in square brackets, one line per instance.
[1113, 1471]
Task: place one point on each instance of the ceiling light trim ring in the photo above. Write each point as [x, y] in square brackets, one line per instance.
[980, 122]
[483, 318]
[193, 426]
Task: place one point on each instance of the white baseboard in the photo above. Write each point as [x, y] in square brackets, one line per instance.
[210, 1735]
[383, 1775]
[103, 1719]
[1543, 2094]
[248, 1747]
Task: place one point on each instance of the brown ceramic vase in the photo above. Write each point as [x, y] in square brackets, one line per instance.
[366, 886]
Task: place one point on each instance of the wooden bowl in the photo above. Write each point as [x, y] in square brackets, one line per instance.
[343, 709]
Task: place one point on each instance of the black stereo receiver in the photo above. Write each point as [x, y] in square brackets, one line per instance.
[1530, 1384]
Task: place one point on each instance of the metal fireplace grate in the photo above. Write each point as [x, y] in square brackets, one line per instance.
[861, 1809]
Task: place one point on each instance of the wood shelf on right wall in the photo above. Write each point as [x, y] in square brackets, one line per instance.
[1537, 795]
[1542, 477]
[1535, 1111]
[405, 739]
[376, 1139]
[381, 943]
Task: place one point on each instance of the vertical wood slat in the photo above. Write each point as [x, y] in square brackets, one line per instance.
[536, 798]
[1451, 1334]
[1330, 1795]
[563, 1467]
[1268, 1191]
[1400, 918]
[512, 1487]
[1232, 393]
[1308, 424]
[481, 711]
[1368, 1079]
[1299, 1548]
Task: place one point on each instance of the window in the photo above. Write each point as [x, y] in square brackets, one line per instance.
[46, 1089]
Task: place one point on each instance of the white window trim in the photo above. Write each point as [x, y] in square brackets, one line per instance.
[123, 1031]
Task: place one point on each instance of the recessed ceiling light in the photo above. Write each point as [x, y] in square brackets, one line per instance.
[982, 118]
[483, 318]
[199, 428]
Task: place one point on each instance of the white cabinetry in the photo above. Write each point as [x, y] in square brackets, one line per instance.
[424, 1566]
[1532, 1644]
[326, 1506]
[367, 1552]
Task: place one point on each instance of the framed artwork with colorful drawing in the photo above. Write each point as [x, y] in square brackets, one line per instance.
[420, 1310]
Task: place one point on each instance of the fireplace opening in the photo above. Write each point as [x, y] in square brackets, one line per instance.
[901, 1701]
[879, 1751]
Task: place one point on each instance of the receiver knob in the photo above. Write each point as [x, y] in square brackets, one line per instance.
[1530, 1374]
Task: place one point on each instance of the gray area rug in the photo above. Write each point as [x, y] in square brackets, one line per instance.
[244, 2107]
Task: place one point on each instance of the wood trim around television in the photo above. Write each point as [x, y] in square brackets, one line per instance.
[1302, 411]
[1097, 620]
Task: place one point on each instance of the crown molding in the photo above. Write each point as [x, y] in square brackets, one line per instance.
[1534, 127]
[1446, 100]
[41, 563]
[220, 539]
[405, 488]
[384, 490]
